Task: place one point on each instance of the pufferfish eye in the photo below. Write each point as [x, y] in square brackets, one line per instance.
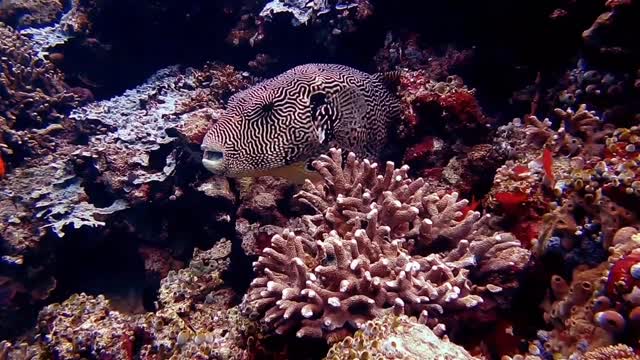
[308, 165]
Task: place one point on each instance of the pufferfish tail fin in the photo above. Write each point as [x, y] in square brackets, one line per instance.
[390, 79]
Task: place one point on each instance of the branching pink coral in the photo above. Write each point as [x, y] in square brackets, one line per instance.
[367, 248]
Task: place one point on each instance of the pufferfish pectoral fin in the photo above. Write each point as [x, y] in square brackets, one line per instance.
[296, 172]
[322, 116]
[350, 107]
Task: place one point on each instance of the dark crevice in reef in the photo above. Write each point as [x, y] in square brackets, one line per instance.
[128, 46]
[297, 348]
[240, 272]
[99, 193]
[503, 61]
[27, 306]
[110, 261]
[96, 264]
[131, 40]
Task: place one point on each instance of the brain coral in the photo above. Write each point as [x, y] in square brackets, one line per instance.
[375, 242]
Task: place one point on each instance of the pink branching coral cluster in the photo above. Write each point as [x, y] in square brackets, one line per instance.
[370, 246]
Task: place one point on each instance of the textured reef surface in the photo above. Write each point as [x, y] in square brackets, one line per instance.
[503, 224]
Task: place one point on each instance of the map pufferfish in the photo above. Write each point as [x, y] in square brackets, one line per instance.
[278, 126]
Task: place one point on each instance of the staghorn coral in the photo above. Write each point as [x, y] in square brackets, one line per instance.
[396, 337]
[366, 250]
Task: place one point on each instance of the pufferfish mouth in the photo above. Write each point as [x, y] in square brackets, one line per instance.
[213, 160]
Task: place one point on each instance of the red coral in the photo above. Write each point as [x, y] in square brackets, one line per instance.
[459, 108]
[526, 231]
[472, 206]
[620, 281]
[463, 107]
[418, 151]
[520, 169]
[2, 168]
[547, 163]
[621, 150]
[511, 201]
[433, 173]
[502, 339]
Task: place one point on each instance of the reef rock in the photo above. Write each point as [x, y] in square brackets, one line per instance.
[396, 337]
